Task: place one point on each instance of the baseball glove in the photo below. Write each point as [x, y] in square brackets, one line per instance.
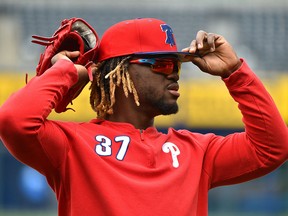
[74, 34]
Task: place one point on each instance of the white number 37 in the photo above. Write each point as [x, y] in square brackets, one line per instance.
[104, 147]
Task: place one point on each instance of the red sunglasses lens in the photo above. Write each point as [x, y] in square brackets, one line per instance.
[164, 66]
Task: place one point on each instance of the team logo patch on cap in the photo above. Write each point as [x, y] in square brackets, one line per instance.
[169, 34]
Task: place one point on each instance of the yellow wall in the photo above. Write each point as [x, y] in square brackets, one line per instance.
[203, 103]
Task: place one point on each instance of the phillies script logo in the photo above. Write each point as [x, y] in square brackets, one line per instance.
[169, 34]
[171, 148]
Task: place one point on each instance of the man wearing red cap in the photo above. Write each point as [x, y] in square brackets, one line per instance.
[119, 164]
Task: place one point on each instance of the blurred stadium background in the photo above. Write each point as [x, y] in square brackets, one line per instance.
[257, 29]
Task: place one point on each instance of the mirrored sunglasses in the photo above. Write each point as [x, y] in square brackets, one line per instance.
[160, 65]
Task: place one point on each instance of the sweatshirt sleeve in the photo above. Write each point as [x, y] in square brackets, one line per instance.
[24, 115]
[261, 148]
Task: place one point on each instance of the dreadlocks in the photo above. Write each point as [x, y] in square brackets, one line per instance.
[107, 75]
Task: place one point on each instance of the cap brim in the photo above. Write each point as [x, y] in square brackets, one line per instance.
[183, 56]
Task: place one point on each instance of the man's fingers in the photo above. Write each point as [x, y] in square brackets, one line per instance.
[203, 40]
[71, 54]
[192, 48]
[211, 41]
[206, 40]
[68, 55]
[201, 37]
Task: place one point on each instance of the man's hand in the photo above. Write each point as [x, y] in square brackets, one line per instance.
[213, 54]
[67, 55]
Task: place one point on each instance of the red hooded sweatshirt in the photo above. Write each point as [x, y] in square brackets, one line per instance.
[113, 169]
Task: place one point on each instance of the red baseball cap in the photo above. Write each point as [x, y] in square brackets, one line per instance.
[141, 36]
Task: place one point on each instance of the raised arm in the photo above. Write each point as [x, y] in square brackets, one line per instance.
[264, 144]
[24, 115]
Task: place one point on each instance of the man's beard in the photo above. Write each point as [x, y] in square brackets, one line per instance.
[159, 104]
[165, 108]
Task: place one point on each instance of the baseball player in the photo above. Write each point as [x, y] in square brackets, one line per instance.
[118, 163]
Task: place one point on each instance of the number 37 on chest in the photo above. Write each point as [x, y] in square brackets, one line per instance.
[104, 148]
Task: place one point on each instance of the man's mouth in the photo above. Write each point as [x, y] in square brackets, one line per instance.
[173, 89]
